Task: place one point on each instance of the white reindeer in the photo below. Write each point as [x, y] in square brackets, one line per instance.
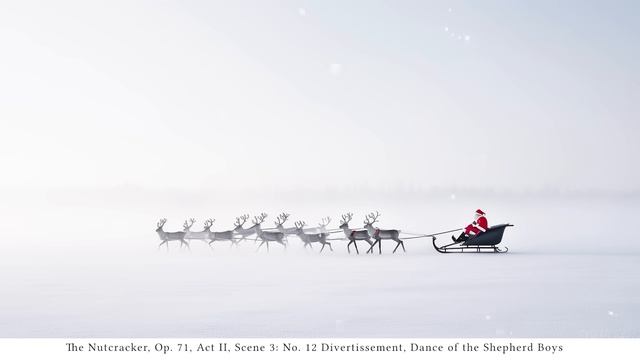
[267, 236]
[165, 237]
[241, 231]
[308, 239]
[282, 218]
[204, 235]
[321, 228]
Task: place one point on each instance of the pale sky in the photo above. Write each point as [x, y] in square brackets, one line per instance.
[492, 94]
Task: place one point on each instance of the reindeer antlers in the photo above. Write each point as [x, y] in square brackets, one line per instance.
[300, 224]
[187, 226]
[325, 221]
[371, 218]
[281, 219]
[209, 223]
[257, 220]
[346, 218]
[161, 222]
[241, 220]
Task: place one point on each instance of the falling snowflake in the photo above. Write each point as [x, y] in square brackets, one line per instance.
[450, 10]
[611, 313]
[335, 68]
[446, 29]
[487, 317]
[467, 38]
[453, 196]
[302, 11]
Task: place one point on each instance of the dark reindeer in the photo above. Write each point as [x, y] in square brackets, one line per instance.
[308, 239]
[165, 237]
[379, 234]
[353, 235]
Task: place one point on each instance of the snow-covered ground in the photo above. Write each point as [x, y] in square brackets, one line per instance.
[74, 270]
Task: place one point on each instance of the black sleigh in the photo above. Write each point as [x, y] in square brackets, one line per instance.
[486, 242]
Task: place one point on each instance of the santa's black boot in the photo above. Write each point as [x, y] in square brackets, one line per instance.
[460, 238]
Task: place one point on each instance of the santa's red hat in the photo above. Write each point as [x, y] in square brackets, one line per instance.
[480, 212]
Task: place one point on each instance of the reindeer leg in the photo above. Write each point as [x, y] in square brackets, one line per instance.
[396, 248]
[355, 244]
[371, 247]
[267, 246]
[162, 243]
[330, 247]
[402, 243]
[322, 248]
[380, 246]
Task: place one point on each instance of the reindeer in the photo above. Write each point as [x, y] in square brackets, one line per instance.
[267, 236]
[223, 235]
[203, 235]
[282, 218]
[322, 227]
[241, 231]
[353, 235]
[165, 237]
[307, 238]
[378, 234]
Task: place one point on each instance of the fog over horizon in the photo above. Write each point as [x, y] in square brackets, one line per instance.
[507, 96]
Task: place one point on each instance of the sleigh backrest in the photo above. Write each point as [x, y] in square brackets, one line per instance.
[493, 236]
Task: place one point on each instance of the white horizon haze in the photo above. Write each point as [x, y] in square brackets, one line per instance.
[311, 94]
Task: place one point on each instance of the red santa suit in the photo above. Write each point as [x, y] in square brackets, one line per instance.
[479, 226]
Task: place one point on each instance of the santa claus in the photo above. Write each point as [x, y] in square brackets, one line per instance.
[479, 225]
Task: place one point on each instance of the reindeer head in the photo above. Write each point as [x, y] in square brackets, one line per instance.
[257, 220]
[187, 225]
[300, 226]
[241, 220]
[344, 223]
[161, 223]
[208, 224]
[281, 219]
[370, 219]
[325, 221]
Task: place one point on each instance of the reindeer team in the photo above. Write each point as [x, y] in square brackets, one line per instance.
[279, 235]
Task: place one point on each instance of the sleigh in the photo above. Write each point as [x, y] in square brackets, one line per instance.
[486, 242]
